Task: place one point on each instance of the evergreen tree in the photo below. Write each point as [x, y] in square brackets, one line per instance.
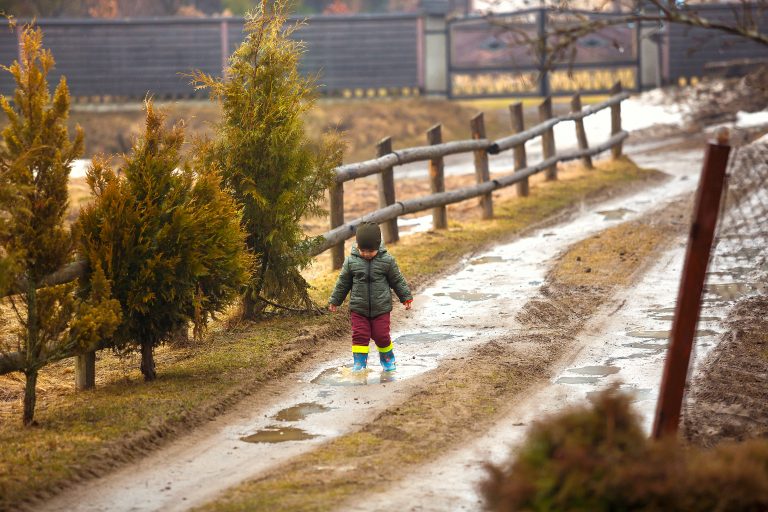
[168, 238]
[36, 156]
[267, 162]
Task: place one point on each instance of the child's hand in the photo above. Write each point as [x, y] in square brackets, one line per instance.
[333, 308]
[407, 304]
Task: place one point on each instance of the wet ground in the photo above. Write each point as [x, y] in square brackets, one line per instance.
[474, 305]
[625, 345]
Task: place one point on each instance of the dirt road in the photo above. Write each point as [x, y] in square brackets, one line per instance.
[468, 309]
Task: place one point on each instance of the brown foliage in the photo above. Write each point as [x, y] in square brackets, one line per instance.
[597, 458]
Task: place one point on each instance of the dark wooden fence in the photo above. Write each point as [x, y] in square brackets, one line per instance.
[363, 55]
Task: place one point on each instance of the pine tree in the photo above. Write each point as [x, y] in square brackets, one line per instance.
[36, 156]
[167, 236]
[267, 162]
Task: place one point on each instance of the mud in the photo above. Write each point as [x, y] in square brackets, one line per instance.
[278, 435]
[716, 410]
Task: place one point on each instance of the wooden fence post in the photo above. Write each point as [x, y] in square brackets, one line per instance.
[389, 229]
[548, 137]
[616, 121]
[688, 305]
[521, 160]
[437, 178]
[336, 194]
[85, 371]
[581, 134]
[482, 173]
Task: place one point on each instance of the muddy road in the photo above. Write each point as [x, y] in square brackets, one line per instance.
[459, 313]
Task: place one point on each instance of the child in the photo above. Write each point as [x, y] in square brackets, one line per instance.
[369, 272]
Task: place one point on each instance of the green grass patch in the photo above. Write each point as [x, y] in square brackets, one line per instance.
[79, 433]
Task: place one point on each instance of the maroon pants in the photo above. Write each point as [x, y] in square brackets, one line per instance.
[365, 329]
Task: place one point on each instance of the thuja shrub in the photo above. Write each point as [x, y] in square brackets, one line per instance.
[267, 161]
[597, 458]
[167, 236]
[36, 153]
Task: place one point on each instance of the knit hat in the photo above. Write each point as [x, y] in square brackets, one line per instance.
[368, 236]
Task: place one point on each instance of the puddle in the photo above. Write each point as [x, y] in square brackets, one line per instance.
[487, 259]
[657, 335]
[278, 435]
[616, 214]
[638, 395]
[423, 337]
[663, 335]
[344, 376]
[577, 380]
[600, 371]
[300, 411]
[468, 296]
[731, 291]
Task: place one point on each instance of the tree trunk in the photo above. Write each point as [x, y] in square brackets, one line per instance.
[30, 397]
[252, 305]
[148, 361]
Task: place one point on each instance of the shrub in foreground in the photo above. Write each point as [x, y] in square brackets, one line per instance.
[597, 458]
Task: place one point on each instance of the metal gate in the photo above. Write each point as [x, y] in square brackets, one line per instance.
[499, 55]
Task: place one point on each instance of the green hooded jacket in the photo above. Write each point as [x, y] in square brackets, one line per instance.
[370, 283]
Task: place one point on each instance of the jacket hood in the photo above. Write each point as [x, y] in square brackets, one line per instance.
[356, 251]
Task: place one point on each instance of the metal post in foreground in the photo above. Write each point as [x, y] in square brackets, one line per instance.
[705, 214]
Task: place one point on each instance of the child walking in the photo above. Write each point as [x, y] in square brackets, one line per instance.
[369, 272]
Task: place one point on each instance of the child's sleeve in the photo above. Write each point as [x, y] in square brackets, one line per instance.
[343, 285]
[397, 282]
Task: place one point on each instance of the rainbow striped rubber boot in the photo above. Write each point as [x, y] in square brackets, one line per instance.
[387, 358]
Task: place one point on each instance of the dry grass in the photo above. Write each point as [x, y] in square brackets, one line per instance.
[109, 129]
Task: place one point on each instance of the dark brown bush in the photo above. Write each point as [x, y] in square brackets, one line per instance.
[597, 458]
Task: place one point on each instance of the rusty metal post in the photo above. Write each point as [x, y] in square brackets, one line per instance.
[389, 231]
[336, 194]
[616, 121]
[705, 212]
[581, 134]
[437, 178]
[548, 137]
[521, 160]
[85, 371]
[482, 171]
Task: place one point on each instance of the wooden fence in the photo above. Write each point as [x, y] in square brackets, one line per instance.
[391, 209]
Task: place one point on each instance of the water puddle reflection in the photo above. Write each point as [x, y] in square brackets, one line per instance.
[278, 435]
[616, 214]
[468, 296]
[300, 411]
[600, 371]
[577, 380]
[664, 334]
[423, 337]
[344, 376]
